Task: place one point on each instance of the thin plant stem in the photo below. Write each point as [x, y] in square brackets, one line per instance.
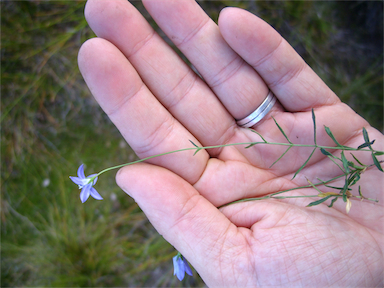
[225, 145]
[315, 146]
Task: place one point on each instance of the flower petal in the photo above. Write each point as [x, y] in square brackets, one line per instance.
[178, 267]
[77, 180]
[85, 192]
[349, 205]
[187, 268]
[95, 194]
[80, 171]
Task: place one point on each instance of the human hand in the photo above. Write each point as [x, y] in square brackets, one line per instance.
[158, 103]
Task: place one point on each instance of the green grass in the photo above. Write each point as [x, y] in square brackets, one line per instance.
[51, 124]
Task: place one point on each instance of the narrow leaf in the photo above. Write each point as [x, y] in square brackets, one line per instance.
[259, 135]
[367, 144]
[344, 190]
[319, 201]
[331, 135]
[326, 194]
[332, 202]
[357, 160]
[378, 153]
[331, 157]
[313, 186]
[282, 131]
[314, 126]
[345, 162]
[361, 194]
[353, 165]
[325, 152]
[337, 164]
[353, 178]
[365, 135]
[193, 144]
[197, 150]
[334, 187]
[376, 162]
[305, 163]
[281, 156]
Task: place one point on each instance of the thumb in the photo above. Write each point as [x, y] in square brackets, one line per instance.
[188, 221]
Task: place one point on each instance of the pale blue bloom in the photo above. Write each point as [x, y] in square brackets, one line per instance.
[86, 185]
[181, 267]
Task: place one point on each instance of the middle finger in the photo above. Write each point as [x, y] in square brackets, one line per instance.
[236, 84]
[175, 85]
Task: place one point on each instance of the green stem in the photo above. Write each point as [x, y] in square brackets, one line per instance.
[298, 196]
[232, 144]
[144, 159]
[310, 186]
[364, 198]
[273, 195]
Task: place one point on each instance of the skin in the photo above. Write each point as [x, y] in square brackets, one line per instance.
[158, 103]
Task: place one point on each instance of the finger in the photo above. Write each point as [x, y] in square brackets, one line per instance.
[184, 218]
[146, 125]
[295, 84]
[235, 83]
[175, 85]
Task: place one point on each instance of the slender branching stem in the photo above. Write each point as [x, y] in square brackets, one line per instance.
[350, 171]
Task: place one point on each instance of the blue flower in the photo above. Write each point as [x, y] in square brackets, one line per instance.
[86, 185]
[181, 267]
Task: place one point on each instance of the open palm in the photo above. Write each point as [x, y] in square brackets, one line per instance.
[159, 104]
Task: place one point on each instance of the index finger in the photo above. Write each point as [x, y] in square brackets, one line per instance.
[146, 125]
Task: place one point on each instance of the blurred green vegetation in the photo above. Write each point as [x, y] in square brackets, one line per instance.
[51, 124]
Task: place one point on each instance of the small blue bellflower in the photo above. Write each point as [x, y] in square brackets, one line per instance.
[181, 267]
[86, 185]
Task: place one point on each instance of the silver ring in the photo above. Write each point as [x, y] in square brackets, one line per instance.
[259, 113]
